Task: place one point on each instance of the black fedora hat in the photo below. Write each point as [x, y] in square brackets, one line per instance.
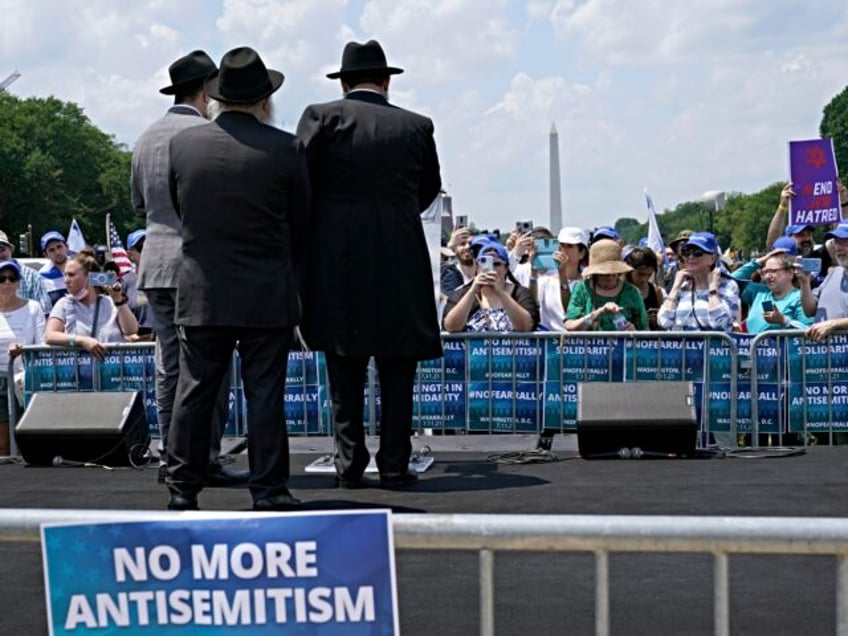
[190, 68]
[362, 58]
[243, 78]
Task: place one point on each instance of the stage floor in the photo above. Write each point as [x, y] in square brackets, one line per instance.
[535, 593]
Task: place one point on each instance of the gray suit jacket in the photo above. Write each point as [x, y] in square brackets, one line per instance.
[160, 257]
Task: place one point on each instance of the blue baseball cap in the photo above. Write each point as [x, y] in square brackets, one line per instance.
[704, 241]
[134, 237]
[11, 264]
[791, 230]
[52, 235]
[605, 231]
[480, 240]
[787, 244]
[497, 248]
[840, 232]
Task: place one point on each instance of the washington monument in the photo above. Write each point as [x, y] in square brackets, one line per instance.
[555, 223]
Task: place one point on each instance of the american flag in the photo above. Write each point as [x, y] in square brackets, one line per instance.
[116, 247]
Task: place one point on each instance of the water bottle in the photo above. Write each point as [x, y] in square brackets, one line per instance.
[620, 321]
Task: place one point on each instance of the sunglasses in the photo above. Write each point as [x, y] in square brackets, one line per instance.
[692, 252]
[9, 279]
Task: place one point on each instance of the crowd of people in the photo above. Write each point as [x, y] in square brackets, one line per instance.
[598, 283]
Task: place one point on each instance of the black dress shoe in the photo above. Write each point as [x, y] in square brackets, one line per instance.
[222, 477]
[182, 502]
[281, 501]
[162, 475]
[398, 480]
[351, 484]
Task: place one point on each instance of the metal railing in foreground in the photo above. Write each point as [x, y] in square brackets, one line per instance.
[601, 535]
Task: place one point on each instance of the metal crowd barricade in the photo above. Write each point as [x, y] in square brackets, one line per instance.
[131, 367]
[486, 382]
[809, 380]
[527, 383]
[600, 534]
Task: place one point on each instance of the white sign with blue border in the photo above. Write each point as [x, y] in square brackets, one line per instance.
[295, 573]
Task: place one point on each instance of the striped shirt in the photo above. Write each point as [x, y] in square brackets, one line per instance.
[32, 288]
[693, 313]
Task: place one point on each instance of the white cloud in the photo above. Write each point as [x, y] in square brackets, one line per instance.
[681, 97]
[442, 40]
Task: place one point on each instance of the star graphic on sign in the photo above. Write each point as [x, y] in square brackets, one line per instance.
[815, 157]
[807, 190]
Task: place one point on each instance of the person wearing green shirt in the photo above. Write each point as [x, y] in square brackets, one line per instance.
[603, 300]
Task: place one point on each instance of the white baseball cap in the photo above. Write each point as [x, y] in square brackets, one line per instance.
[573, 236]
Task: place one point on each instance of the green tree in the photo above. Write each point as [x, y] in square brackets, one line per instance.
[56, 165]
[834, 124]
[745, 220]
[629, 230]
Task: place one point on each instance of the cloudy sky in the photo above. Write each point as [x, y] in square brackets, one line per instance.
[679, 97]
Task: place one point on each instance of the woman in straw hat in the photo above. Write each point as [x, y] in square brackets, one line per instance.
[604, 301]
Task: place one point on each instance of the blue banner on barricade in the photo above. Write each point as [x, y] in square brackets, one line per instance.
[769, 357]
[560, 407]
[294, 573]
[439, 405]
[57, 370]
[584, 360]
[817, 374]
[818, 407]
[439, 397]
[529, 383]
[770, 402]
[676, 360]
[511, 359]
[504, 407]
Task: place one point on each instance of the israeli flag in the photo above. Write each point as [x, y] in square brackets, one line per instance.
[655, 240]
[76, 241]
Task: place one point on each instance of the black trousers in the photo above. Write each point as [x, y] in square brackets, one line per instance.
[347, 391]
[205, 354]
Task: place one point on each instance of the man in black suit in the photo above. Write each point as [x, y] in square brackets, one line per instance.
[369, 292]
[241, 188]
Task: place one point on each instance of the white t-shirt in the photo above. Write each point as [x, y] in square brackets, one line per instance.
[78, 318]
[24, 326]
[551, 311]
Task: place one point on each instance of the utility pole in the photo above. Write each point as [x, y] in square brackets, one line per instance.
[9, 81]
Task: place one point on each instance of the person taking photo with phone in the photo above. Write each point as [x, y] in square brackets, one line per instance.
[85, 317]
[701, 297]
[493, 300]
[775, 303]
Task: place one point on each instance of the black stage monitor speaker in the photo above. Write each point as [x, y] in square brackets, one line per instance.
[100, 428]
[636, 419]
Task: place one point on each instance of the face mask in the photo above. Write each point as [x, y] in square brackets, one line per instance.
[81, 293]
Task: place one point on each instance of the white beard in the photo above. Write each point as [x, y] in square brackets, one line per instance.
[214, 108]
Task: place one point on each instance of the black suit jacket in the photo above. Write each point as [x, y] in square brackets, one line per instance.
[242, 191]
[374, 169]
